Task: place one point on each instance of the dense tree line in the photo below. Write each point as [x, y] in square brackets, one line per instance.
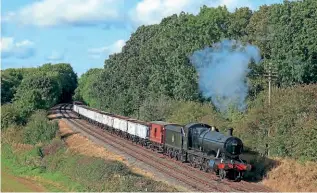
[155, 60]
[24, 91]
[153, 78]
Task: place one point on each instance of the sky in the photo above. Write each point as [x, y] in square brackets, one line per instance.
[84, 32]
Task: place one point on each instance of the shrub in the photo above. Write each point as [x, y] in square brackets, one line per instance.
[39, 128]
[14, 134]
[53, 147]
[184, 112]
[291, 120]
[9, 116]
[154, 109]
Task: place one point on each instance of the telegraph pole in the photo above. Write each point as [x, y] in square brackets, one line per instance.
[270, 78]
[272, 75]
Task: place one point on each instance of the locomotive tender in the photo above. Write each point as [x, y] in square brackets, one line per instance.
[199, 144]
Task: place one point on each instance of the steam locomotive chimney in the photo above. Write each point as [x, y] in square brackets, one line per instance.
[230, 131]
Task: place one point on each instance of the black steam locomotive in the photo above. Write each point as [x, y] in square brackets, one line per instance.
[204, 146]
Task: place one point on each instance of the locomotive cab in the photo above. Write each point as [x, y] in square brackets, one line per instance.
[194, 132]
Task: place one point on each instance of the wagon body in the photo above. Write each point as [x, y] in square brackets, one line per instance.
[138, 128]
[174, 136]
[157, 131]
[120, 123]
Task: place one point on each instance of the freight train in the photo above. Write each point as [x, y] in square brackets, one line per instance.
[198, 144]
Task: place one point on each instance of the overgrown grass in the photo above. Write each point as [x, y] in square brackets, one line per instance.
[61, 170]
[296, 177]
[39, 128]
[97, 174]
[27, 164]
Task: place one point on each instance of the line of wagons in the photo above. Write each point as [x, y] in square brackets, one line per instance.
[199, 144]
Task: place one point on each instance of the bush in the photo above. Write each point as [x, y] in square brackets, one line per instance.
[185, 112]
[39, 128]
[9, 116]
[53, 147]
[188, 111]
[13, 134]
[291, 121]
[154, 109]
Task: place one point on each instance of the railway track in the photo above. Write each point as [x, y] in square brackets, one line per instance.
[193, 177]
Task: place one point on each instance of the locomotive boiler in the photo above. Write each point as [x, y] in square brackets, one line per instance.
[220, 152]
[217, 144]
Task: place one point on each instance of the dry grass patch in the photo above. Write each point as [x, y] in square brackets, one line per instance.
[14, 137]
[291, 176]
[82, 145]
[20, 147]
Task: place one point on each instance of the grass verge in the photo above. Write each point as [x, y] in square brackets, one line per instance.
[23, 167]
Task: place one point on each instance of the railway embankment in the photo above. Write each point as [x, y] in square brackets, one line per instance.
[80, 143]
[63, 165]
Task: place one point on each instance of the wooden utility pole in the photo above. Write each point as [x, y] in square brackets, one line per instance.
[270, 79]
[272, 75]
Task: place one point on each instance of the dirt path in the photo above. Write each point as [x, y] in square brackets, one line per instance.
[10, 183]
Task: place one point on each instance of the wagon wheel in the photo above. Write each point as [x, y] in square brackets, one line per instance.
[237, 175]
[146, 145]
[182, 158]
[191, 161]
[222, 174]
[176, 156]
[171, 154]
[201, 164]
[206, 166]
[195, 160]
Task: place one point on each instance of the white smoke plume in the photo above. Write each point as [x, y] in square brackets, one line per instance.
[222, 71]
